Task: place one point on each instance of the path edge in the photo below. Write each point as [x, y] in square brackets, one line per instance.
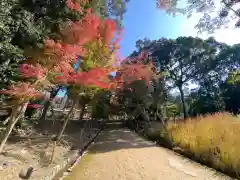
[175, 150]
[75, 157]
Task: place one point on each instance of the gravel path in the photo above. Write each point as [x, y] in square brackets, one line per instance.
[123, 155]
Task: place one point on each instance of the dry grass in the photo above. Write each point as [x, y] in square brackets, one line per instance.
[213, 139]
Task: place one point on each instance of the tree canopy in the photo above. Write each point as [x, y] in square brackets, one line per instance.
[25, 23]
[215, 14]
[185, 61]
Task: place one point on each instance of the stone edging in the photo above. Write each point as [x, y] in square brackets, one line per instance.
[76, 156]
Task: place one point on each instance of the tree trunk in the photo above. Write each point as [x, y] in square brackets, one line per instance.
[157, 116]
[17, 112]
[183, 102]
[45, 110]
[82, 111]
[47, 104]
[6, 120]
[58, 137]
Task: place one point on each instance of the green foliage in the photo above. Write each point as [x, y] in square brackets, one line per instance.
[234, 77]
[187, 60]
[171, 110]
[207, 99]
[184, 60]
[231, 96]
[100, 105]
[215, 14]
[100, 111]
[141, 44]
[110, 8]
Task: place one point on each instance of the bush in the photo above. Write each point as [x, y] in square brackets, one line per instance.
[212, 139]
[100, 110]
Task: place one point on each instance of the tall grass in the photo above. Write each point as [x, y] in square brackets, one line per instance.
[212, 139]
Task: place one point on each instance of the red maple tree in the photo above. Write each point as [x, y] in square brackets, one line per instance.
[52, 64]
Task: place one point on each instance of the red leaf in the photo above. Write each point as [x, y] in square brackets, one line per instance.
[34, 106]
[28, 70]
[22, 90]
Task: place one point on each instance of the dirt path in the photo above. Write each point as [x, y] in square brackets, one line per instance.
[123, 155]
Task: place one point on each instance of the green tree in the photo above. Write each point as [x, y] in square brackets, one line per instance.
[185, 60]
[229, 57]
[206, 99]
[141, 44]
[110, 8]
[231, 95]
[235, 77]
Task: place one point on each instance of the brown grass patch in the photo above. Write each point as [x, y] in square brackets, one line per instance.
[213, 139]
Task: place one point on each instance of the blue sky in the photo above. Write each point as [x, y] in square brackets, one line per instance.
[143, 19]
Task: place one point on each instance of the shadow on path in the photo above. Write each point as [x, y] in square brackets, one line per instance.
[117, 139]
[120, 154]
